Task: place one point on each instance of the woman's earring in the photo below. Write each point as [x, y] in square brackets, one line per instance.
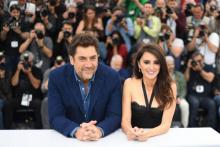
[139, 70]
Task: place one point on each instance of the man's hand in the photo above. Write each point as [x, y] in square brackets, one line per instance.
[82, 134]
[5, 28]
[40, 42]
[88, 132]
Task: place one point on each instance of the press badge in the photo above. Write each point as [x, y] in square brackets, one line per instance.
[146, 40]
[14, 44]
[199, 88]
[131, 12]
[26, 99]
[150, 23]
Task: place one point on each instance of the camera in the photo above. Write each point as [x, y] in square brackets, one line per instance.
[13, 23]
[115, 41]
[202, 26]
[71, 15]
[188, 10]
[59, 60]
[194, 63]
[67, 34]
[164, 36]
[190, 33]
[212, 8]
[169, 10]
[202, 30]
[158, 10]
[201, 33]
[25, 61]
[44, 12]
[119, 18]
[39, 34]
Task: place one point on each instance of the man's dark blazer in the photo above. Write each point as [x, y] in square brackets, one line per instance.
[65, 104]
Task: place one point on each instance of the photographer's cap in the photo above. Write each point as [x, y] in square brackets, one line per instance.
[31, 8]
[14, 5]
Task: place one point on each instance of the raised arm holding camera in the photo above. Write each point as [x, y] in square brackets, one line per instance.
[64, 39]
[14, 23]
[13, 32]
[119, 22]
[206, 43]
[147, 27]
[40, 45]
[26, 83]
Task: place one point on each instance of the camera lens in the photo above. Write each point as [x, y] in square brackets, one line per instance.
[67, 34]
[193, 63]
[71, 15]
[26, 57]
[39, 34]
[59, 60]
[115, 41]
[44, 12]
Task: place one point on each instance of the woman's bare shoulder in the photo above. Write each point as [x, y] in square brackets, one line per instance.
[131, 81]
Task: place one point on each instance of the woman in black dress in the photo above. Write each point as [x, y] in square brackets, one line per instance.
[149, 97]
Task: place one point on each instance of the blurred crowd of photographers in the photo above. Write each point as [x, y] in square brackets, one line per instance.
[35, 35]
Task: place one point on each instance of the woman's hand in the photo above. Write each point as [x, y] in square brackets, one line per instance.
[142, 135]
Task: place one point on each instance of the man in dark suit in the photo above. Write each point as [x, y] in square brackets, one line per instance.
[84, 97]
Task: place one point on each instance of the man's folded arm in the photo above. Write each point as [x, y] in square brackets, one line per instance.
[57, 118]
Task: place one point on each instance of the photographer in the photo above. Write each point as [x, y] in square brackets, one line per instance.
[115, 45]
[165, 38]
[40, 45]
[26, 82]
[147, 26]
[194, 22]
[160, 10]
[64, 39]
[172, 16]
[27, 10]
[199, 79]
[206, 43]
[14, 23]
[167, 14]
[49, 21]
[71, 15]
[13, 32]
[124, 25]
